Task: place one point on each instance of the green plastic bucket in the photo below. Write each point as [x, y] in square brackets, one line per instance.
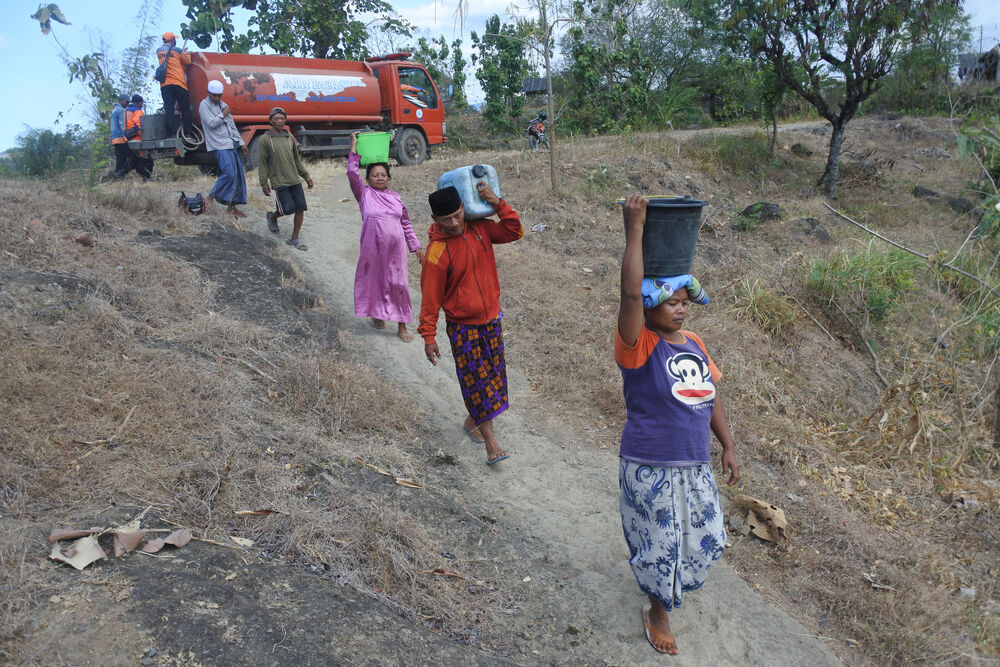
[374, 147]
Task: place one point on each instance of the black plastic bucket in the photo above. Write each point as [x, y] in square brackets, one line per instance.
[670, 235]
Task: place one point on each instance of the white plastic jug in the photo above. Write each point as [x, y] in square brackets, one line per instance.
[465, 180]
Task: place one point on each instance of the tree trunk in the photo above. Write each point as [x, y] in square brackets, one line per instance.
[546, 34]
[774, 130]
[996, 424]
[832, 172]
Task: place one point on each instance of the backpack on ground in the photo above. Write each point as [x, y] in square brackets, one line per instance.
[194, 205]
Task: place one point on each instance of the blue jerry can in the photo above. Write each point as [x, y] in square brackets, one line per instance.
[465, 180]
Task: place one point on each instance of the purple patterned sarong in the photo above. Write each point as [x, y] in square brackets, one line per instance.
[480, 365]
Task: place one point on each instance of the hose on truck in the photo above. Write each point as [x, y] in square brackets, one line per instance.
[193, 140]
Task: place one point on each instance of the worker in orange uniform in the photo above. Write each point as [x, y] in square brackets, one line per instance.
[118, 142]
[133, 132]
[174, 88]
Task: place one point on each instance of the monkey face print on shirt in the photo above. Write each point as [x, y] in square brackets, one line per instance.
[693, 379]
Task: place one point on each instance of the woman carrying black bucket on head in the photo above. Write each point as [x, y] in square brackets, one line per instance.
[669, 501]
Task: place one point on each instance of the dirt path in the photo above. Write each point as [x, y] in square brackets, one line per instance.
[560, 501]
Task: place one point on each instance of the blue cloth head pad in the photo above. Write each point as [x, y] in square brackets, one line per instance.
[657, 290]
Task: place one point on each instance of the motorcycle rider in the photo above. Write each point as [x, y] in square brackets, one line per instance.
[535, 130]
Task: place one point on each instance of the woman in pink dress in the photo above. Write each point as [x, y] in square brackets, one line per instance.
[381, 282]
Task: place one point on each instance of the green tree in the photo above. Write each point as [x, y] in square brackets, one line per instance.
[921, 80]
[311, 28]
[502, 69]
[458, 99]
[808, 42]
[433, 54]
[445, 64]
[44, 153]
[611, 73]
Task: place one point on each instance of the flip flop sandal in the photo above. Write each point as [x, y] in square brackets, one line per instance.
[670, 640]
[295, 243]
[472, 433]
[272, 224]
[498, 459]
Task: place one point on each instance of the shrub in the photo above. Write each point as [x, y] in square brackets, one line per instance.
[772, 312]
[735, 153]
[605, 183]
[44, 153]
[868, 284]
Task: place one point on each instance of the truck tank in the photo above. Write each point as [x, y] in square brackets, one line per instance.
[309, 90]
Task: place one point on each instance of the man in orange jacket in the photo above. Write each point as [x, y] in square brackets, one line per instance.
[133, 131]
[459, 274]
[174, 87]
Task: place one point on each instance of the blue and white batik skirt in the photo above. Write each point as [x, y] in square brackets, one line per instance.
[673, 525]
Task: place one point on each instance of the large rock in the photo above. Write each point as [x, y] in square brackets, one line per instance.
[811, 227]
[762, 211]
[801, 150]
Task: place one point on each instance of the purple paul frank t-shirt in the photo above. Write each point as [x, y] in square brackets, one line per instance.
[669, 395]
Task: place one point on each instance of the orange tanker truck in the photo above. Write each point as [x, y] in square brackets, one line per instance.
[326, 100]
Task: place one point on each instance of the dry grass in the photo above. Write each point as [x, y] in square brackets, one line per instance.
[773, 313]
[134, 388]
[817, 433]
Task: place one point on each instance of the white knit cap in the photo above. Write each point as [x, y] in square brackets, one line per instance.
[215, 87]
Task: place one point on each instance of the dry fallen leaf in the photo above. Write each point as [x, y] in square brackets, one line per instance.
[870, 578]
[85, 239]
[80, 553]
[255, 512]
[767, 521]
[373, 467]
[444, 573]
[127, 542]
[70, 533]
[401, 481]
[242, 541]
[179, 538]
[154, 545]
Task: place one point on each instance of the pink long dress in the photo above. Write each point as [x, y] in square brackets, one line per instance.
[381, 282]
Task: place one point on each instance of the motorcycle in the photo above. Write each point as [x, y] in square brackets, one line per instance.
[534, 130]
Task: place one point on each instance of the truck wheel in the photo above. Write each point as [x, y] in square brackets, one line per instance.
[411, 147]
[252, 158]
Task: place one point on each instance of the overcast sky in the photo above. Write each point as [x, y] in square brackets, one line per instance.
[34, 78]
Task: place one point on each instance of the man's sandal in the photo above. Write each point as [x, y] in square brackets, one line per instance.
[497, 459]
[474, 435]
[295, 243]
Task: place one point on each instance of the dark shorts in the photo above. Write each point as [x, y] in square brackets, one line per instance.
[289, 199]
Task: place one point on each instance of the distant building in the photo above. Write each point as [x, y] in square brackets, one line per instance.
[979, 66]
[535, 85]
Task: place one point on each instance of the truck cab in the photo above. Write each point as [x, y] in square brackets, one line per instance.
[411, 103]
